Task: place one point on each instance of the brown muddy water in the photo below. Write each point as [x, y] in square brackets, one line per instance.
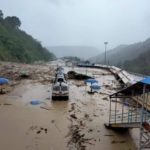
[76, 124]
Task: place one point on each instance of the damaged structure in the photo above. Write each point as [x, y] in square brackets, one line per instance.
[130, 108]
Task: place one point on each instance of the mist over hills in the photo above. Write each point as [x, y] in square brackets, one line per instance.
[78, 51]
[122, 53]
[134, 57]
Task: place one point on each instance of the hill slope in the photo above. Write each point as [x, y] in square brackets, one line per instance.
[122, 53]
[141, 64]
[134, 57]
[77, 51]
[18, 46]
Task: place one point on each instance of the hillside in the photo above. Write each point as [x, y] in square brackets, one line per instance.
[122, 53]
[132, 57]
[141, 64]
[77, 51]
[17, 46]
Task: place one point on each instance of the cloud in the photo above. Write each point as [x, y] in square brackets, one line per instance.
[82, 22]
[64, 2]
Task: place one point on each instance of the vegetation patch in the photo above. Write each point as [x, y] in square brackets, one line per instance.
[17, 46]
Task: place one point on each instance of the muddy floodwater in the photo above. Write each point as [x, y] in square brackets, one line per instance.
[76, 124]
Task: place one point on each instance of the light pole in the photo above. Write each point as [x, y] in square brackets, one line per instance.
[105, 51]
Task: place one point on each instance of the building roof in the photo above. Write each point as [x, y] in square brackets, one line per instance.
[135, 89]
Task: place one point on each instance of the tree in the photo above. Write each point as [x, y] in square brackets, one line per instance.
[13, 21]
[1, 15]
[16, 45]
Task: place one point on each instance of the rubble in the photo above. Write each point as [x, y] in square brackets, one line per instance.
[77, 76]
[16, 72]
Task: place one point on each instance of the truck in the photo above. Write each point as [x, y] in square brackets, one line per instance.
[60, 88]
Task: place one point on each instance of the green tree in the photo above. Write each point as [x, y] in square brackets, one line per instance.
[1, 14]
[17, 46]
[13, 21]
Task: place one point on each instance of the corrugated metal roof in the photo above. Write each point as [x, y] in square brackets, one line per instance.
[146, 80]
[135, 89]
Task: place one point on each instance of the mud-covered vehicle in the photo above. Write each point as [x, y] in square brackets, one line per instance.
[60, 78]
[59, 70]
[60, 90]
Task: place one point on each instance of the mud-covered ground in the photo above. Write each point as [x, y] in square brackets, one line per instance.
[76, 124]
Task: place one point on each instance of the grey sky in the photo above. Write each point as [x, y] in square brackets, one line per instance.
[82, 22]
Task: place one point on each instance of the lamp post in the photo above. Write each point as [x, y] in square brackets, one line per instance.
[105, 51]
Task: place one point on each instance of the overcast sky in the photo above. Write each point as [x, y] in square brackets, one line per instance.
[82, 22]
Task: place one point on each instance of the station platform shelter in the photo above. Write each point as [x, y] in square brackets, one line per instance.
[130, 108]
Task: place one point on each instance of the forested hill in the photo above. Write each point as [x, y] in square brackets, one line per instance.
[134, 57]
[17, 46]
[141, 64]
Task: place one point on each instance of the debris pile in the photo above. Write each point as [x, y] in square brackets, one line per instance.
[77, 137]
[77, 76]
[17, 72]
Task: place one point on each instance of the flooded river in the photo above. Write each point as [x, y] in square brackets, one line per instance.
[76, 124]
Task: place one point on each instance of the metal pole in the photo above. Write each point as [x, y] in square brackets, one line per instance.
[132, 106]
[142, 115]
[122, 110]
[115, 109]
[146, 108]
[105, 52]
[110, 111]
[136, 109]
